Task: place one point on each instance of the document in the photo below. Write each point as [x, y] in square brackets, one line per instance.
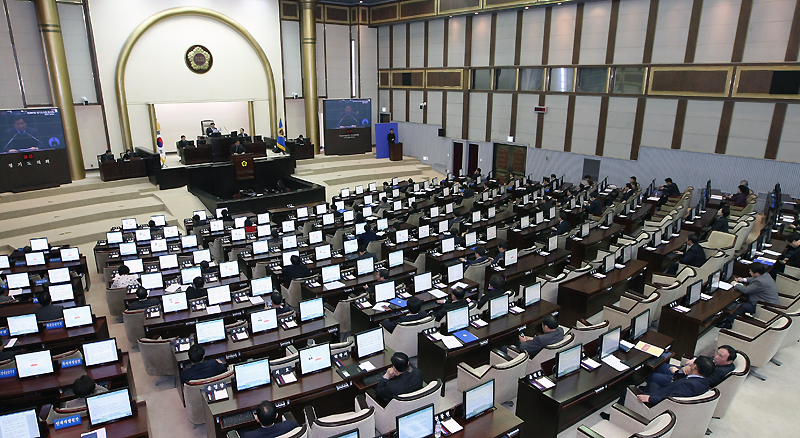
[772, 253]
[451, 342]
[256, 300]
[591, 363]
[452, 426]
[649, 349]
[461, 285]
[705, 296]
[436, 336]
[615, 363]
[381, 307]
[681, 309]
[220, 394]
[289, 378]
[545, 382]
[172, 288]
[333, 285]
[437, 293]
[210, 310]
[724, 285]
[99, 433]
[366, 366]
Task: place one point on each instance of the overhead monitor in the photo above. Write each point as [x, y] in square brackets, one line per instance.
[455, 272]
[77, 316]
[369, 342]
[311, 309]
[159, 220]
[457, 319]
[127, 248]
[568, 361]
[479, 399]
[322, 252]
[252, 374]
[69, 255]
[22, 325]
[100, 352]
[422, 282]
[384, 291]
[228, 269]
[174, 302]
[498, 307]
[158, 245]
[37, 258]
[18, 281]
[261, 286]
[114, 237]
[210, 331]
[264, 320]
[416, 424]
[395, 258]
[533, 293]
[58, 275]
[109, 406]
[24, 424]
[34, 364]
[143, 235]
[189, 274]
[136, 266]
[365, 266]
[219, 295]
[153, 280]
[314, 358]
[331, 273]
[609, 341]
[61, 292]
[171, 232]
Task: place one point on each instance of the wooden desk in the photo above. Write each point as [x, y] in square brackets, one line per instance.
[586, 295]
[435, 264]
[528, 265]
[632, 220]
[687, 327]
[182, 323]
[133, 427]
[61, 340]
[523, 238]
[699, 223]
[332, 296]
[586, 249]
[437, 362]
[576, 396]
[300, 151]
[664, 255]
[499, 422]
[116, 170]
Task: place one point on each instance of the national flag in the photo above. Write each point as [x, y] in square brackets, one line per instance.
[281, 135]
[160, 143]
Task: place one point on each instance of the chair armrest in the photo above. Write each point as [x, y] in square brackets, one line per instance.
[289, 417]
[615, 308]
[620, 415]
[734, 335]
[310, 415]
[588, 432]
[474, 372]
[233, 434]
[515, 350]
[361, 403]
[291, 350]
[328, 308]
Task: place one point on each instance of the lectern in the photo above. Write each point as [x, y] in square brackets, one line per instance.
[243, 166]
[396, 152]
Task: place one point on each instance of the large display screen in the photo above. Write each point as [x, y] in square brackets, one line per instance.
[347, 113]
[33, 130]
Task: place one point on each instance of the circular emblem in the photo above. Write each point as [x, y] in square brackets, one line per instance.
[198, 58]
[244, 163]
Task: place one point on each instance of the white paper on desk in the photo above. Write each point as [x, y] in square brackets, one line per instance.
[615, 363]
[653, 198]
[451, 342]
[725, 285]
[183, 347]
[479, 323]
[689, 222]
[99, 433]
[333, 285]
[289, 378]
[291, 324]
[437, 336]
[544, 381]
[381, 307]
[210, 310]
[11, 342]
[516, 309]
[172, 287]
[591, 363]
[772, 253]
[717, 197]
[597, 275]
[705, 296]
[649, 348]
[437, 293]
[13, 292]
[626, 344]
[256, 300]
[452, 426]
[746, 262]
[681, 309]
[577, 239]
[366, 366]
[460, 284]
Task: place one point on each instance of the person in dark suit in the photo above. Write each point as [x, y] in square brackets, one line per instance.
[84, 386]
[595, 206]
[6, 354]
[107, 156]
[792, 258]
[496, 284]
[480, 257]
[201, 369]
[666, 373]
[500, 258]
[627, 192]
[563, 225]
[48, 312]
[414, 306]
[364, 254]
[401, 378]
[197, 222]
[694, 255]
[4, 298]
[238, 149]
[391, 138]
[270, 421]
[670, 188]
[695, 383]
[469, 192]
[455, 301]
[196, 290]
[721, 223]
[757, 288]
[552, 333]
[212, 130]
[242, 134]
[183, 143]
[279, 304]
[143, 302]
[740, 198]
[296, 270]
[21, 137]
[367, 236]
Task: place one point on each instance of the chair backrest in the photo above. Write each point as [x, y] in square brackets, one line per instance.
[477, 273]
[100, 260]
[8, 364]
[72, 354]
[115, 298]
[108, 273]
[298, 432]
[260, 270]
[374, 247]
[57, 413]
[340, 347]
[549, 288]
[216, 251]
[363, 420]
[693, 414]
[787, 286]
[405, 403]
[342, 313]
[588, 333]
[134, 324]
[549, 352]
[720, 240]
[158, 356]
[506, 375]
[419, 263]
[293, 295]
[193, 396]
[661, 426]
[732, 383]
[404, 337]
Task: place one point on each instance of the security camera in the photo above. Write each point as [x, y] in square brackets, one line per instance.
[423, 105]
[85, 100]
[294, 95]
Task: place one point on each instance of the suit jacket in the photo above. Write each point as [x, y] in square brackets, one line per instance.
[793, 259]
[475, 262]
[686, 387]
[292, 272]
[203, 370]
[563, 227]
[367, 237]
[469, 192]
[409, 381]
[389, 325]
[535, 345]
[720, 224]
[595, 207]
[758, 289]
[739, 199]
[193, 294]
[144, 304]
[694, 256]
[4, 298]
[49, 313]
[273, 431]
[448, 305]
[627, 195]
[237, 149]
[183, 143]
[672, 190]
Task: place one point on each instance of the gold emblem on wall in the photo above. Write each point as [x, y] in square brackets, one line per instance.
[198, 59]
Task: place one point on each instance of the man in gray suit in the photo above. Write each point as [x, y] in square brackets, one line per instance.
[552, 334]
[759, 287]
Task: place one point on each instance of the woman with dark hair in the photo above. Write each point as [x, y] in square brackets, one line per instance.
[740, 199]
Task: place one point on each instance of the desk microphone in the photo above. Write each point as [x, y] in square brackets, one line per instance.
[12, 139]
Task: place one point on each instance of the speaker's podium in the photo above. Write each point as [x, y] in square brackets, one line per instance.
[244, 166]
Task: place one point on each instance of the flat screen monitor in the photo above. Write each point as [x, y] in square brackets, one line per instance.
[218, 213]
[713, 280]
[58, 275]
[422, 282]
[129, 224]
[383, 224]
[158, 245]
[470, 239]
[693, 292]
[69, 255]
[289, 242]
[159, 220]
[127, 248]
[455, 272]
[77, 316]
[539, 217]
[322, 252]
[264, 230]
[327, 219]
[360, 228]
[423, 231]
[401, 236]
[448, 245]
[321, 208]
[498, 307]
[114, 237]
[34, 364]
[210, 331]
[200, 213]
[288, 226]
[311, 309]
[18, 281]
[251, 374]
[263, 219]
[384, 292]
[584, 230]
[143, 235]
[174, 302]
[608, 262]
[238, 234]
[22, 325]
[261, 286]
[369, 342]
[109, 406]
[61, 292]
[315, 237]
[457, 319]
[491, 232]
[568, 361]
[219, 295]
[350, 246]
[552, 243]
[397, 205]
[443, 227]
[154, 280]
[609, 341]
[100, 352]
[238, 222]
[727, 270]
[171, 232]
[344, 193]
[264, 320]
[365, 266]
[524, 222]
[478, 399]
[416, 424]
[639, 324]
[373, 187]
[168, 261]
[434, 211]
[302, 212]
[533, 293]
[189, 274]
[189, 241]
[20, 424]
[287, 257]
[314, 358]
[260, 247]
[395, 258]
[476, 216]
[331, 273]
[448, 208]
[5, 263]
[37, 258]
[136, 266]
[228, 269]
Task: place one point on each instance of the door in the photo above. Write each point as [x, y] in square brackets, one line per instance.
[472, 158]
[458, 157]
[509, 160]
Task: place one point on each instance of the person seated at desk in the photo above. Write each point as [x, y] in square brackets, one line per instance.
[695, 383]
[694, 255]
[563, 224]
[48, 312]
[401, 378]
[183, 142]
[296, 270]
[4, 298]
[666, 373]
[595, 205]
[721, 222]
[586, 184]
[270, 421]
[791, 258]
[124, 278]
[196, 290]
[668, 190]
[364, 254]
[107, 156]
[300, 139]
[249, 227]
[496, 289]
[454, 301]
[197, 222]
[480, 257]
[201, 369]
[757, 288]
[242, 134]
[553, 333]
[634, 184]
[627, 192]
[280, 187]
[238, 149]
[84, 386]
[143, 302]
[500, 258]
[414, 306]
[476, 174]
[740, 198]
[367, 236]
[279, 304]
[225, 216]
[212, 130]
[469, 191]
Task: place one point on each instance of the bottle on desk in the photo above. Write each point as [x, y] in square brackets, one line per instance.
[437, 431]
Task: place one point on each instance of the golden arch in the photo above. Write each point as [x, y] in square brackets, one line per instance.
[122, 63]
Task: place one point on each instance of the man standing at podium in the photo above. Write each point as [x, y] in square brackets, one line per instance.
[391, 138]
[21, 137]
[238, 149]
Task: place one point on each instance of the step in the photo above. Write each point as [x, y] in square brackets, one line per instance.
[90, 183]
[378, 177]
[333, 158]
[355, 165]
[28, 207]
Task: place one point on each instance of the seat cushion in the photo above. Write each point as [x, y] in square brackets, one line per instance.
[608, 429]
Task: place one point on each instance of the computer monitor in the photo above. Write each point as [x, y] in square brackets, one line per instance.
[18, 281]
[21, 424]
[627, 253]
[331, 273]
[288, 226]
[143, 235]
[448, 245]
[153, 280]
[5, 263]
[109, 406]
[369, 342]
[639, 325]
[384, 291]
[457, 319]
[264, 320]
[315, 237]
[365, 266]
[524, 222]
[479, 399]
[344, 193]
[189, 274]
[260, 247]
[263, 219]
[395, 258]
[498, 307]
[476, 216]
[314, 358]
[727, 270]
[455, 272]
[360, 228]
[693, 292]
[129, 224]
[264, 230]
[416, 424]
[126, 249]
[510, 257]
[321, 208]
[350, 246]
[713, 280]
[22, 325]
[159, 220]
[327, 219]
[69, 255]
[491, 232]
[114, 237]
[261, 286]
[289, 241]
[608, 262]
[218, 212]
[287, 257]
[348, 216]
[443, 227]
[423, 231]
[100, 352]
[238, 222]
[252, 374]
[238, 234]
[373, 187]
[210, 331]
[34, 364]
[470, 239]
[77, 316]
[383, 224]
[609, 341]
[171, 232]
[189, 241]
[219, 295]
[228, 269]
[136, 266]
[311, 309]
[322, 252]
[422, 282]
[61, 292]
[174, 302]
[401, 236]
[201, 213]
[158, 245]
[58, 275]
[338, 205]
[568, 361]
[584, 230]
[533, 293]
